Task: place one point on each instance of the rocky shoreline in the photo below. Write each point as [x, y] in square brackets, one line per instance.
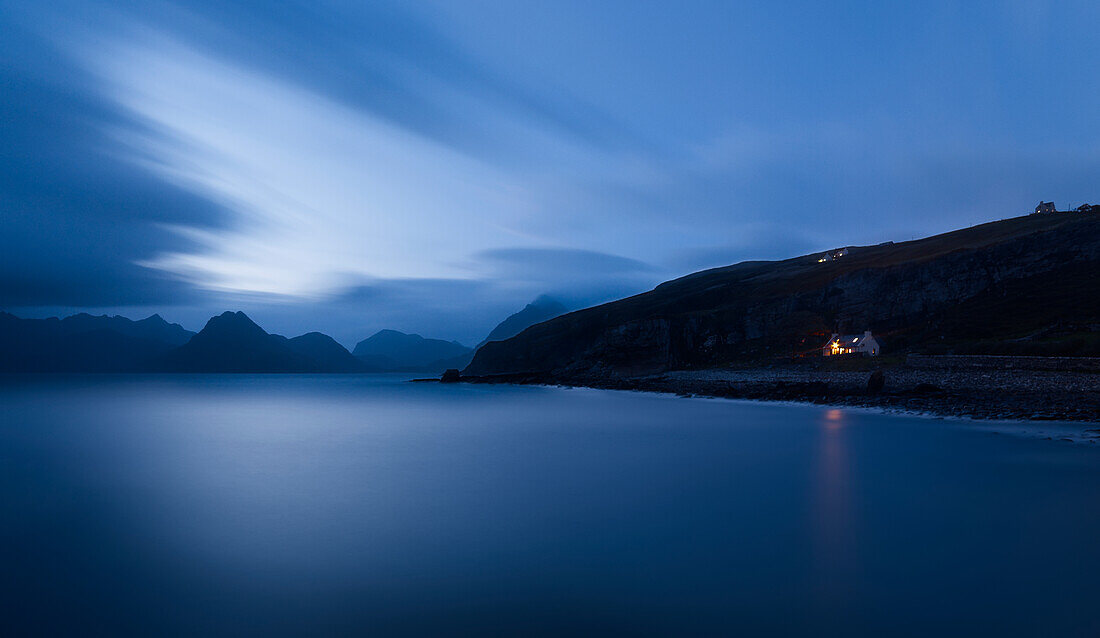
[1028, 395]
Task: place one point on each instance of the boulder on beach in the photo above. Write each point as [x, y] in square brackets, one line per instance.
[876, 382]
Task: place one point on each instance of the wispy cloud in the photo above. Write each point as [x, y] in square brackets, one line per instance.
[346, 160]
[318, 188]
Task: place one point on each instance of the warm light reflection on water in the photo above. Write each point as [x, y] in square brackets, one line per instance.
[833, 531]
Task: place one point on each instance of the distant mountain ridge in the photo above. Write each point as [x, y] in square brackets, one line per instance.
[85, 343]
[392, 350]
[541, 309]
[230, 342]
[395, 350]
[325, 352]
[153, 327]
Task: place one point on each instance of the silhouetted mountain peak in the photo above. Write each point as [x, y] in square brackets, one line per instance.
[230, 317]
[325, 350]
[227, 341]
[155, 321]
[392, 349]
[541, 309]
[232, 324]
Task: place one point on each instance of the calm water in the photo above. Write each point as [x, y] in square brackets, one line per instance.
[359, 504]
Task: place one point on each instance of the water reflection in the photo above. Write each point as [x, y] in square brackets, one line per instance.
[833, 530]
[283, 505]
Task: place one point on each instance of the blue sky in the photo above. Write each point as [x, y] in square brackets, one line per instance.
[433, 166]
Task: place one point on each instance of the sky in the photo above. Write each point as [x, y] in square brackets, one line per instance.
[431, 166]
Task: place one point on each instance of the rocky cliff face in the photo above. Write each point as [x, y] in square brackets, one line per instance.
[1001, 280]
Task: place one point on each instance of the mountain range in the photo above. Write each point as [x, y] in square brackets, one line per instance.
[390, 350]
[397, 351]
[1022, 286]
[85, 343]
[230, 342]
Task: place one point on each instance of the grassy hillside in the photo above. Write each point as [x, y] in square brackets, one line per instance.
[1026, 280]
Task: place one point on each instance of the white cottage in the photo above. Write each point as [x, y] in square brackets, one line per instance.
[864, 344]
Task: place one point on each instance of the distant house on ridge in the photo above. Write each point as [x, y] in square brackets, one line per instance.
[864, 344]
[833, 254]
[1045, 207]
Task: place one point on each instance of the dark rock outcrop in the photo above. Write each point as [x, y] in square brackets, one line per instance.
[876, 382]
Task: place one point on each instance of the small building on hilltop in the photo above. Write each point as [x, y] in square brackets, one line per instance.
[833, 254]
[864, 344]
[1045, 207]
[1088, 208]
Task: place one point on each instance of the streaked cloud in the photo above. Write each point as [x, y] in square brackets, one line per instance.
[340, 166]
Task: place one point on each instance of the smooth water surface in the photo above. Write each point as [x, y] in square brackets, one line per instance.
[269, 505]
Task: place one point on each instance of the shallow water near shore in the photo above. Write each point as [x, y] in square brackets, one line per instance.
[283, 504]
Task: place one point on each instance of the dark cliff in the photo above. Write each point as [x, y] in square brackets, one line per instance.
[1028, 282]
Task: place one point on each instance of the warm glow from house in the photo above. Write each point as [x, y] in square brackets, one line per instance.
[864, 344]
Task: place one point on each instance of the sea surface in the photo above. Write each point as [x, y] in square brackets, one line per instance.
[367, 505]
